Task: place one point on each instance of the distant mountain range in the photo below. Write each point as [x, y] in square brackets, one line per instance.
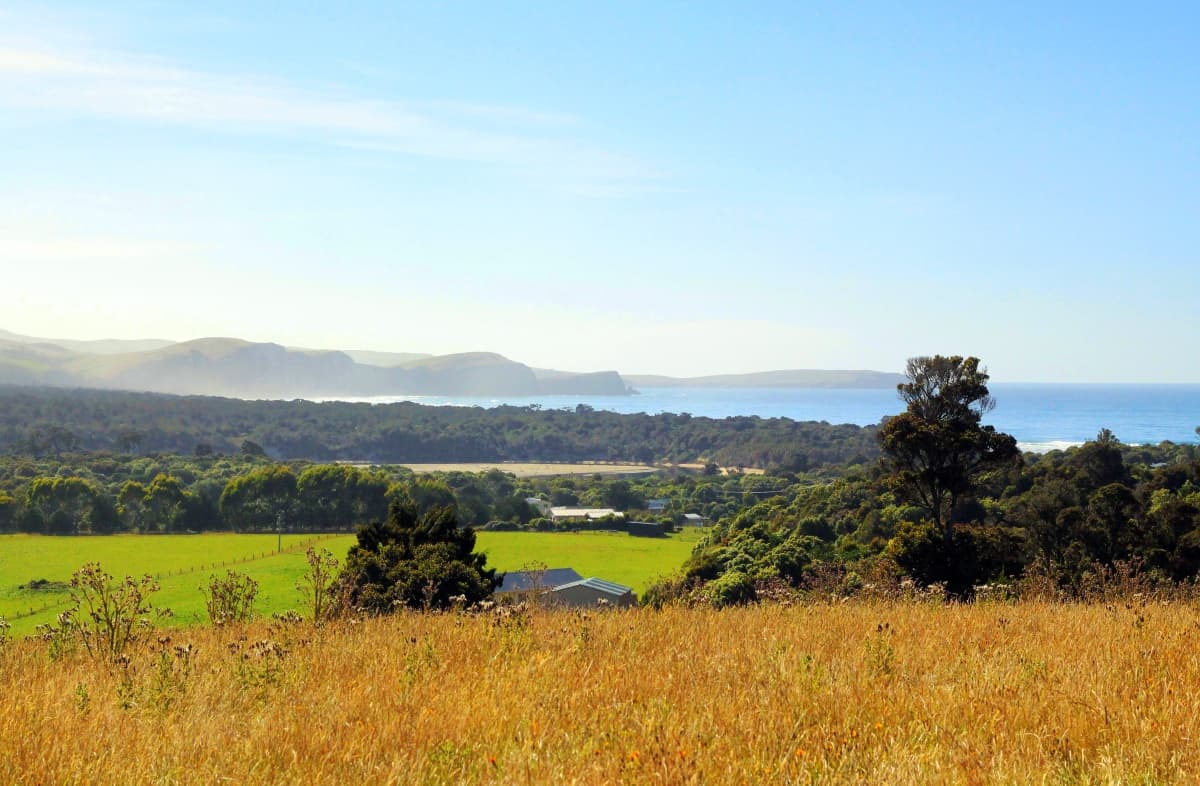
[242, 369]
[233, 367]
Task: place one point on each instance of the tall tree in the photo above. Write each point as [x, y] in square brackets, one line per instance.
[936, 449]
[163, 498]
[262, 499]
[416, 561]
[339, 496]
[131, 505]
[8, 512]
[62, 504]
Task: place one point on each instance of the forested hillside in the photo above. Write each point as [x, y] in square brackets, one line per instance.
[953, 504]
[1069, 521]
[46, 421]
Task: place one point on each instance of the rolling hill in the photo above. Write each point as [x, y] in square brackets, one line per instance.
[243, 369]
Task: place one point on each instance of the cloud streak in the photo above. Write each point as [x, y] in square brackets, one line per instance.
[539, 145]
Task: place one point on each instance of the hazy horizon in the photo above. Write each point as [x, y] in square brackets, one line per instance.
[665, 189]
[623, 372]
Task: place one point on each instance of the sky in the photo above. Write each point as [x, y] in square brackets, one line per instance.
[676, 188]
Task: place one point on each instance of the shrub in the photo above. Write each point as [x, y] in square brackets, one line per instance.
[419, 561]
[670, 591]
[316, 583]
[734, 588]
[107, 618]
[230, 599]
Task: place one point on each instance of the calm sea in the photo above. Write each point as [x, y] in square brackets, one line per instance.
[1041, 417]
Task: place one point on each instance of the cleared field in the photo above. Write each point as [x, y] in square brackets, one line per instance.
[525, 470]
[615, 556]
[183, 563]
[725, 470]
[180, 563]
[857, 693]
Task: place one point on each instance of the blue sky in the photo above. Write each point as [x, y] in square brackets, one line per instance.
[679, 188]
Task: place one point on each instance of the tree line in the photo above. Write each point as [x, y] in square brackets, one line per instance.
[102, 493]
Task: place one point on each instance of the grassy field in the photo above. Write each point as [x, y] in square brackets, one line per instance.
[180, 563]
[615, 556]
[183, 563]
[856, 693]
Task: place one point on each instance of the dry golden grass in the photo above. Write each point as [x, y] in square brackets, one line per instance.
[867, 693]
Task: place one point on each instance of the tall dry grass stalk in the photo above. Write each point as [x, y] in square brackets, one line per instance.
[873, 693]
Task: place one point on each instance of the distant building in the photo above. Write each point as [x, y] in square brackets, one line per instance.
[657, 505]
[540, 505]
[565, 587]
[566, 514]
[533, 580]
[694, 520]
[592, 592]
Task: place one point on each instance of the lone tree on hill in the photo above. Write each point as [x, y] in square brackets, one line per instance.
[415, 561]
[937, 447]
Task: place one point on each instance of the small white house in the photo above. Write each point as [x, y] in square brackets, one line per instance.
[694, 520]
[566, 514]
[540, 505]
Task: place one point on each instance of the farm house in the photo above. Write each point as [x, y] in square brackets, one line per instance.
[591, 592]
[591, 514]
[519, 581]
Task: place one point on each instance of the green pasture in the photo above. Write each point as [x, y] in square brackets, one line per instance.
[183, 563]
[615, 556]
[180, 563]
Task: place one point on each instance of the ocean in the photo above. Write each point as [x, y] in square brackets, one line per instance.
[1041, 416]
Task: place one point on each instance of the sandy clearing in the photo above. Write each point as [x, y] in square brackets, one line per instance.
[536, 470]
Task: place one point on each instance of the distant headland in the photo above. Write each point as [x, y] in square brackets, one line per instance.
[244, 369]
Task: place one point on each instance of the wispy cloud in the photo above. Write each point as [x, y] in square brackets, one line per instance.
[545, 146]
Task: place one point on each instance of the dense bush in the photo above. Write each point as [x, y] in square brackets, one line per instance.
[415, 560]
[50, 422]
[733, 588]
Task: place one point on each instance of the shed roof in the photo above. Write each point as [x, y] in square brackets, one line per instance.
[524, 580]
[600, 585]
[584, 513]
